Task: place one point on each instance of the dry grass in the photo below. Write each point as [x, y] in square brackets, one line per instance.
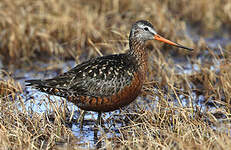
[171, 126]
[37, 30]
[22, 129]
[56, 27]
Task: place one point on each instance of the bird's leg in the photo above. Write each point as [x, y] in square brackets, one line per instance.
[100, 121]
[81, 119]
[99, 118]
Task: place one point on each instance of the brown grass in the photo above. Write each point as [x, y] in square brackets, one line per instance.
[36, 28]
[22, 129]
[76, 29]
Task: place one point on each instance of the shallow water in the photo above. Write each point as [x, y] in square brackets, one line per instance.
[36, 101]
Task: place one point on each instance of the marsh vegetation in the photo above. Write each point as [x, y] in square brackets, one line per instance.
[184, 104]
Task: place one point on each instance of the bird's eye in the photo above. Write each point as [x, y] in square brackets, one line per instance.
[146, 29]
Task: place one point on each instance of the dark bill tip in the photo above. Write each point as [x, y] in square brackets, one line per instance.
[181, 46]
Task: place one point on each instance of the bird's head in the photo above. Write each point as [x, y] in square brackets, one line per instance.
[143, 30]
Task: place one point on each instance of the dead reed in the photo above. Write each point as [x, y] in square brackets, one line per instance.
[76, 29]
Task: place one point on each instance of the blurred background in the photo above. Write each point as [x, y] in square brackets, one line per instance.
[184, 104]
[43, 29]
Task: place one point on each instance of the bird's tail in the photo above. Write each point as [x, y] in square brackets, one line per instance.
[35, 83]
[38, 84]
[43, 86]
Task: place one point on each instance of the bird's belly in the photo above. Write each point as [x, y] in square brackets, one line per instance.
[112, 102]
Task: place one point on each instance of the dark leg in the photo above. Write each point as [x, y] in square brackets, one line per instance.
[100, 121]
[98, 143]
[99, 118]
[96, 130]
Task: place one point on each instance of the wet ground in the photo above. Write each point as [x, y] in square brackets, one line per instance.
[36, 101]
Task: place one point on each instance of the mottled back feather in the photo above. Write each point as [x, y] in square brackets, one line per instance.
[98, 77]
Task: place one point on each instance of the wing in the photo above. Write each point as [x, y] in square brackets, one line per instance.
[102, 76]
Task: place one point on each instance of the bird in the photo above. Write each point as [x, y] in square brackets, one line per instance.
[110, 82]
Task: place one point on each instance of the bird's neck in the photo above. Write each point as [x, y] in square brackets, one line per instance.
[137, 50]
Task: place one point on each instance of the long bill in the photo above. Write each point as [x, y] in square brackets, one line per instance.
[160, 38]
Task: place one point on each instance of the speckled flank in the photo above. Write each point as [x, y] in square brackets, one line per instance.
[105, 83]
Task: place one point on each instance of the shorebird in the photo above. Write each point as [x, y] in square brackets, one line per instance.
[110, 82]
